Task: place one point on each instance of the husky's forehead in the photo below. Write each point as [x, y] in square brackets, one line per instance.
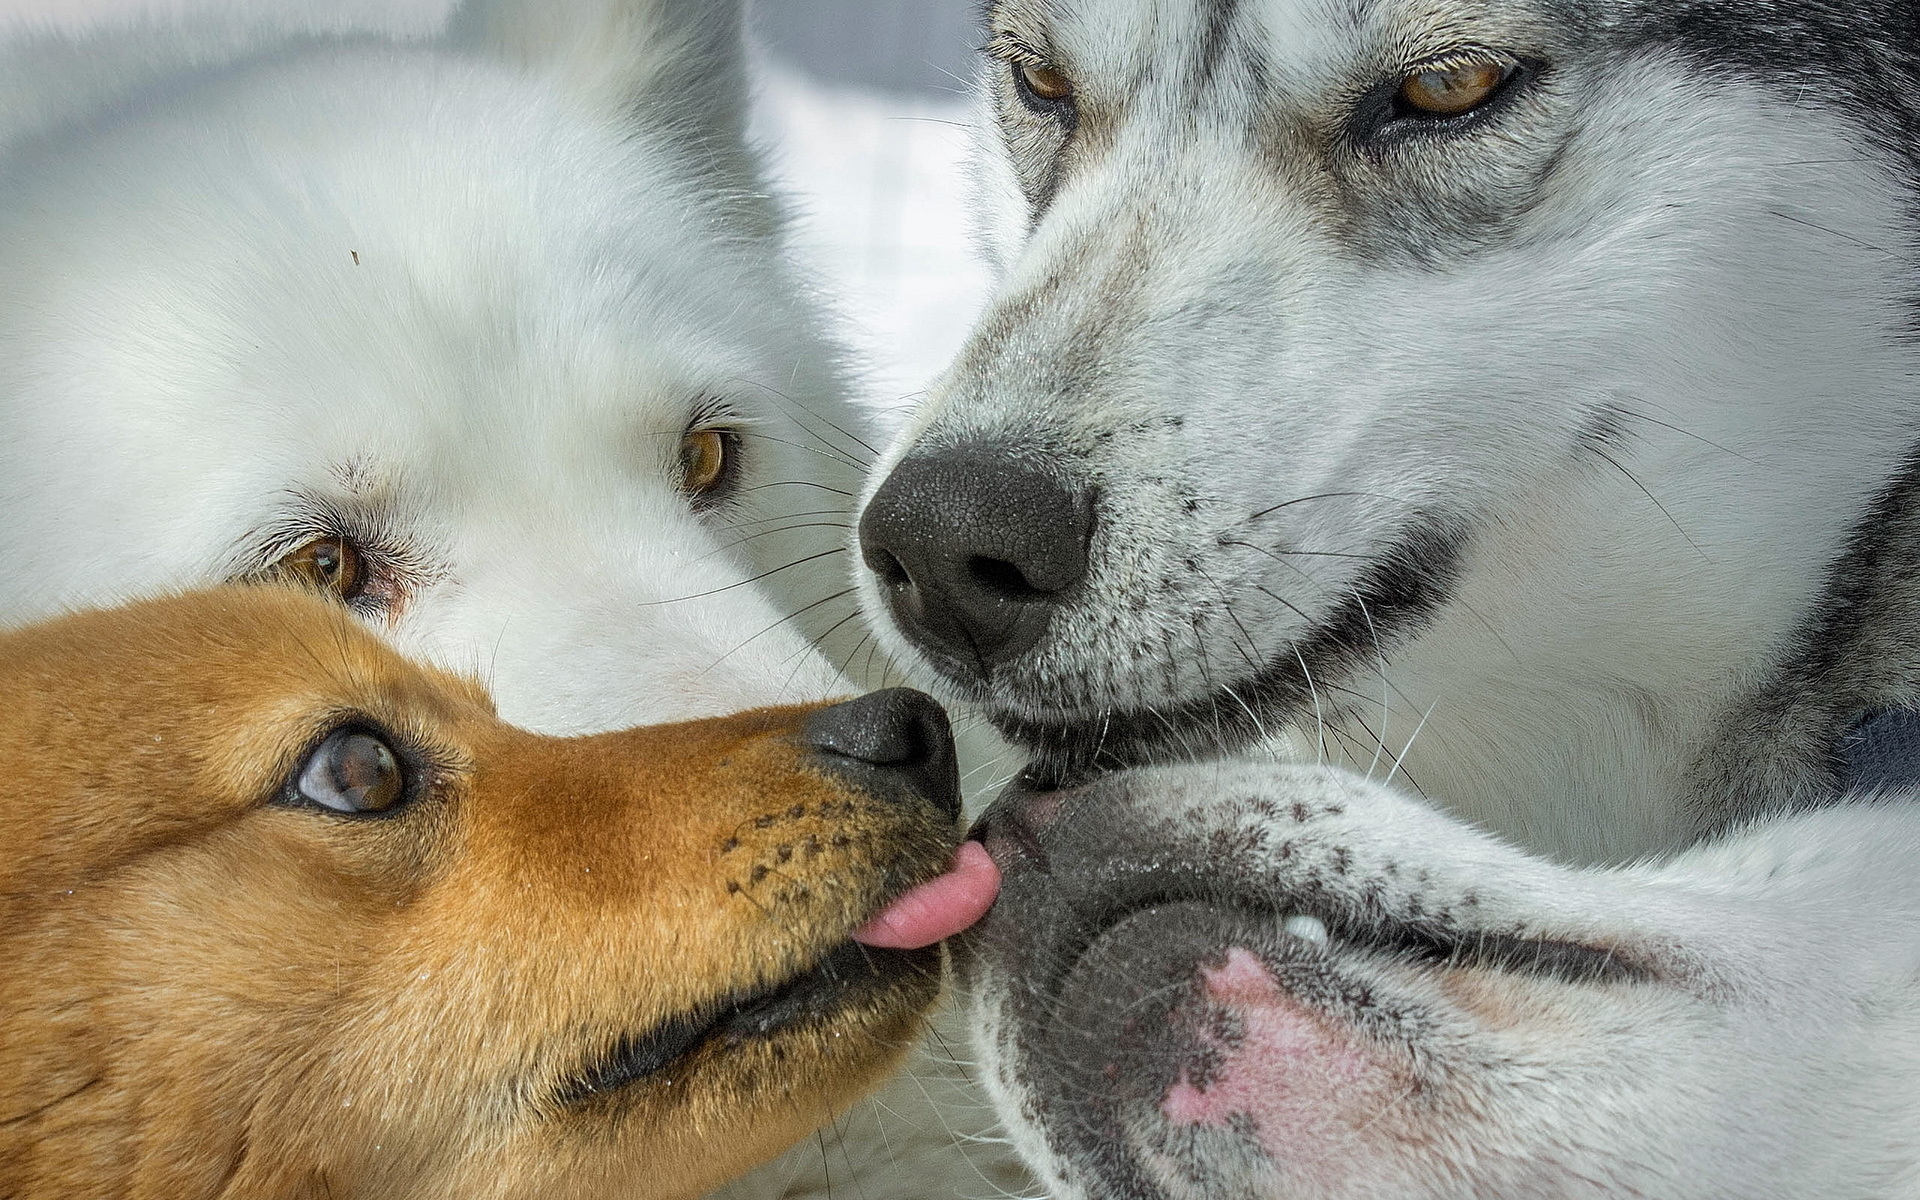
[1287, 77]
[1297, 49]
[1188, 107]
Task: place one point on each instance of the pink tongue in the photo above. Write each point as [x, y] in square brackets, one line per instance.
[938, 908]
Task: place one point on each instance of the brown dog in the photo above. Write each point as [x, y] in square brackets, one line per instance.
[284, 915]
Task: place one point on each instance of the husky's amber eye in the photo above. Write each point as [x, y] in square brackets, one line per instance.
[1448, 91]
[1044, 83]
[706, 462]
[332, 565]
[352, 772]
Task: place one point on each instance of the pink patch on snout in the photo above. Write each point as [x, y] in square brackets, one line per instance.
[1243, 980]
[1306, 1084]
[1188, 1105]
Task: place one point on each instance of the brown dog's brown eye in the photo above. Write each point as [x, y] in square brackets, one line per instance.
[332, 565]
[1450, 91]
[1045, 83]
[706, 461]
[352, 772]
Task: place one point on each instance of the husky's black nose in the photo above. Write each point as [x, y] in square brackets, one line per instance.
[898, 739]
[975, 550]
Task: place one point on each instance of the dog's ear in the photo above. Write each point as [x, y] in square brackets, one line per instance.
[677, 64]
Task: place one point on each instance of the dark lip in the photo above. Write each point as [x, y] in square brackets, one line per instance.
[1071, 750]
[1429, 942]
[819, 990]
[1413, 576]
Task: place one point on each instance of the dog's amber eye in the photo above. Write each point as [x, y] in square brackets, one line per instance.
[332, 565]
[706, 461]
[1448, 91]
[352, 772]
[1044, 83]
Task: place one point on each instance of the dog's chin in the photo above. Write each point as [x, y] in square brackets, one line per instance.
[855, 1008]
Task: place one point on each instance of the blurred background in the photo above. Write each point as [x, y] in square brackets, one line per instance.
[863, 107]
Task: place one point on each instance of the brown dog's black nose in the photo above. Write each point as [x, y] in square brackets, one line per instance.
[975, 549]
[896, 739]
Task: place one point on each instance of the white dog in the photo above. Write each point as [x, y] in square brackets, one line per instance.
[1514, 401]
[490, 334]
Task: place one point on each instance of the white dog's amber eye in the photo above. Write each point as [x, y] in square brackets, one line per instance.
[332, 565]
[706, 459]
[1046, 83]
[1448, 91]
[352, 772]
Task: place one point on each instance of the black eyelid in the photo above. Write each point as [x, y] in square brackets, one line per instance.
[1376, 119]
[1063, 110]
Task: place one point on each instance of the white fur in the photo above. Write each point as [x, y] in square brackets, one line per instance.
[438, 284]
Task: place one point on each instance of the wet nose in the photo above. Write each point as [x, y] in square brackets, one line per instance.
[975, 550]
[897, 740]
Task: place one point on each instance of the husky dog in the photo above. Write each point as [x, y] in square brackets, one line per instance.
[489, 334]
[1511, 403]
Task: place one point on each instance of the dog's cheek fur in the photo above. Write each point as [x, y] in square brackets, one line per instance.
[225, 969]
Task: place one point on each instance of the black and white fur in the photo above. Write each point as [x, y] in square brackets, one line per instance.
[1555, 463]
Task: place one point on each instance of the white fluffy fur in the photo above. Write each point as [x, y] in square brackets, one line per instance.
[435, 284]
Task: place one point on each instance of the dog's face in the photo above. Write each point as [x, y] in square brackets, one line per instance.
[286, 916]
[493, 337]
[1486, 370]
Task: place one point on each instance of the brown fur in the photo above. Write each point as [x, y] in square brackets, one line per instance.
[209, 989]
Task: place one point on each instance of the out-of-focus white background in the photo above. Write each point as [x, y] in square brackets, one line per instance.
[863, 107]
[865, 104]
